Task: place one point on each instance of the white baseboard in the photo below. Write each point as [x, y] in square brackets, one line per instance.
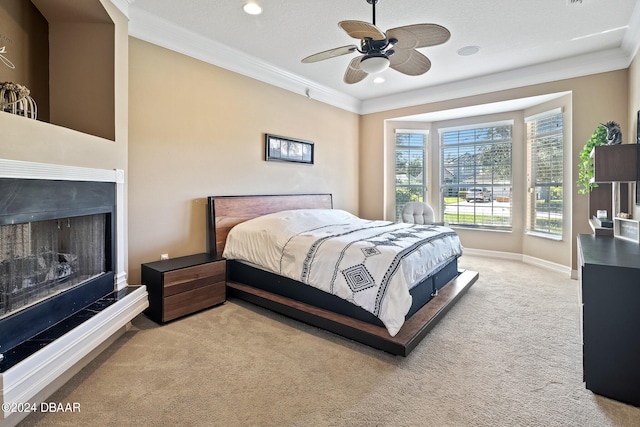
[547, 265]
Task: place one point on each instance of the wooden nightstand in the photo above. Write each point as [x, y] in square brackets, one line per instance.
[181, 286]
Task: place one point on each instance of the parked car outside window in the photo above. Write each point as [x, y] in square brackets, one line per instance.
[477, 194]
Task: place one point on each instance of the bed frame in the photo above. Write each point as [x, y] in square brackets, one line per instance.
[224, 212]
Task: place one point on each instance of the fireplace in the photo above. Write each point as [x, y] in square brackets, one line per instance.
[56, 252]
[41, 259]
[63, 291]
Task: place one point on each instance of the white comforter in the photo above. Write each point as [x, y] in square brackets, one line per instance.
[372, 264]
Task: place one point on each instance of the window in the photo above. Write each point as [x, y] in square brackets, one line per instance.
[410, 168]
[545, 173]
[476, 175]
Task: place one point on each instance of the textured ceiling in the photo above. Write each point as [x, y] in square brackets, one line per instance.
[513, 36]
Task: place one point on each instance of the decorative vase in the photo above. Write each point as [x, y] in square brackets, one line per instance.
[15, 99]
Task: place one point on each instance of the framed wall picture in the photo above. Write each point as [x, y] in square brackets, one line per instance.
[285, 149]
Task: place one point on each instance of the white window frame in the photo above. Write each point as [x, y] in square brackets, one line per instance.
[554, 141]
[423, 198]
[477, 210]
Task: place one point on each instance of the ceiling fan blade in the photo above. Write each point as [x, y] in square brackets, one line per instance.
[409, 62]
[354, 73]
[419, 35]
[331, 53]
[361, 30]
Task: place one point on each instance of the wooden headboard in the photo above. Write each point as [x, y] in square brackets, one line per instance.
[224, 212]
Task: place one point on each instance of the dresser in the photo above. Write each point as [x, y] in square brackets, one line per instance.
[609, 271]
[184, 285]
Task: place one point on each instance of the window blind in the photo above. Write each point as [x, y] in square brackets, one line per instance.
[545, 167]
[410, 167]
[476, 175]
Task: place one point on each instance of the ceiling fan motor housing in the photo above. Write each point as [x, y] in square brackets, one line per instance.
[368, 45]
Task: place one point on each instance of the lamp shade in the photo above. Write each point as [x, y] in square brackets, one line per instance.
[374, 64]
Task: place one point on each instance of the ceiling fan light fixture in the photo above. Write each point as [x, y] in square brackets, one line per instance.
[252, 8]
[374, 64]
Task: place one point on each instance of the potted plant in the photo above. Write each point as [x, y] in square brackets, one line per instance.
[585, 165]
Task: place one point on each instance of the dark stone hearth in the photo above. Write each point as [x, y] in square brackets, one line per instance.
[29, 347]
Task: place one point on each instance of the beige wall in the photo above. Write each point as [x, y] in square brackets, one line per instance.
[83, 34]
[595, 99]
[197, 130]
[76, 101]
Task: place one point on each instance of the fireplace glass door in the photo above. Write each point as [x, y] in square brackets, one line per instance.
[44, 258]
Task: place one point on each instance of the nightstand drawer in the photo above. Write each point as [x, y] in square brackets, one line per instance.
[191, 278]
[194, 300]
[183, 285]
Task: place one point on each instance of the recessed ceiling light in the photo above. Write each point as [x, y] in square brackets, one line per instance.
[252, 8]
[468, 50]
[378, 80]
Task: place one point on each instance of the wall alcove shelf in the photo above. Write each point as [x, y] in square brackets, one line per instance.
[614, 166]
[81, 66]
[600, 199]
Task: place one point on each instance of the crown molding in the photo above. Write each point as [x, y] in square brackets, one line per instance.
[123, 6]
[158, 31]
[579, 66]
[631, 39]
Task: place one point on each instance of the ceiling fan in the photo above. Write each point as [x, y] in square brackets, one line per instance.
[395, 49]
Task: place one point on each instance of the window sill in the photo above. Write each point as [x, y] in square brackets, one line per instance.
[554, 237]
[492, 230]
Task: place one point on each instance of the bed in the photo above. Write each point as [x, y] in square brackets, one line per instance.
[348, 296]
